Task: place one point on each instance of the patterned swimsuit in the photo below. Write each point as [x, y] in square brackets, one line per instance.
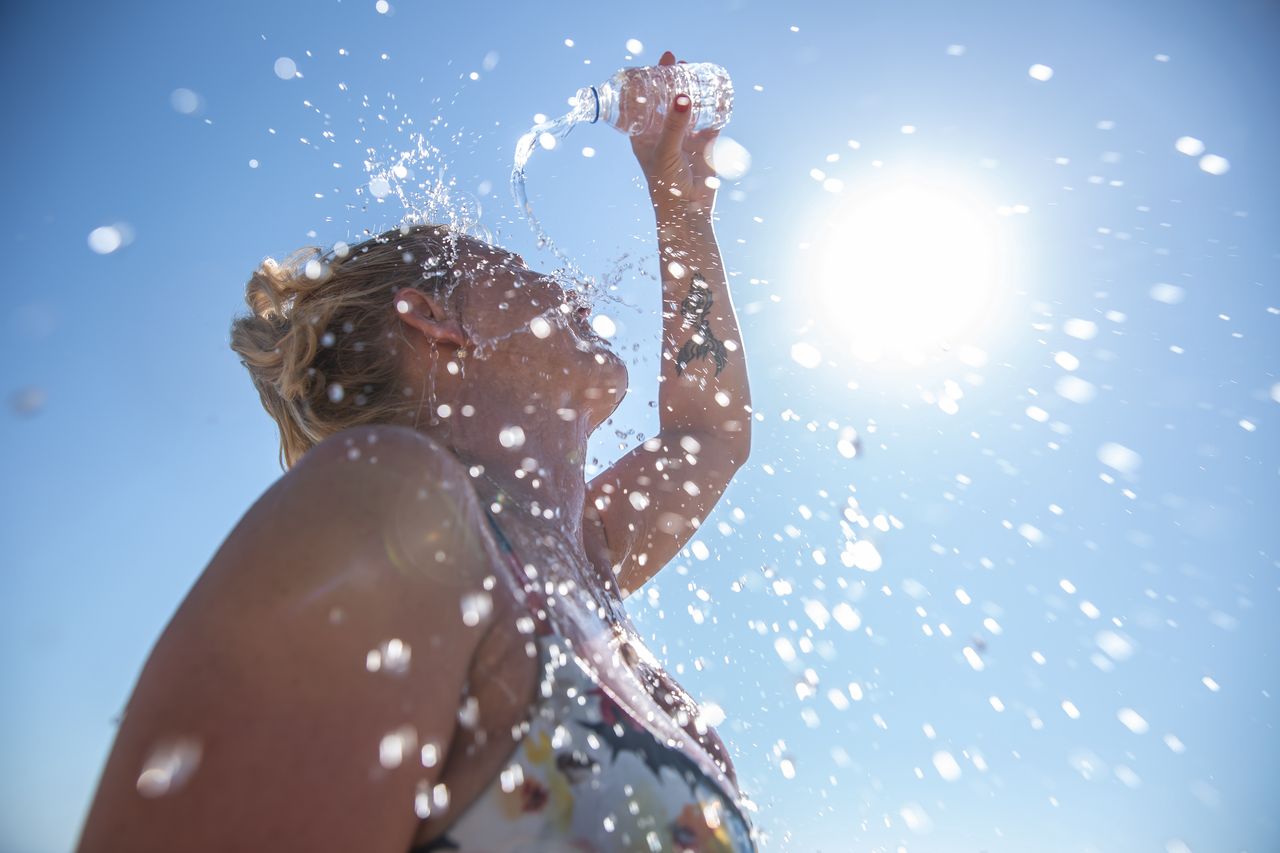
[589, 776]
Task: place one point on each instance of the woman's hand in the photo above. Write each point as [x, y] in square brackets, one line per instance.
[677, 163]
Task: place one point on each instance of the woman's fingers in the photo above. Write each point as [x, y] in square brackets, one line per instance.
[674, 126]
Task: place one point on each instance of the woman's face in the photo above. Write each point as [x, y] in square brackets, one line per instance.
[533, 333]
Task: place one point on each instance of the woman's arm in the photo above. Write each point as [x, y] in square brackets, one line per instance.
[285, 704]
[652, 500]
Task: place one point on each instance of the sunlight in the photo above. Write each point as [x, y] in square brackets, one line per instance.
[910, 268]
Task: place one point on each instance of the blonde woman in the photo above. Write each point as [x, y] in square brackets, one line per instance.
[415, 639]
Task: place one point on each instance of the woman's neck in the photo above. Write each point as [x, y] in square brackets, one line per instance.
[529, 467]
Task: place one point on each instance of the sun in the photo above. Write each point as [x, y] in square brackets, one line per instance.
[910, 269]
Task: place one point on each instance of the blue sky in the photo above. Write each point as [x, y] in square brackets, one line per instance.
[1095, 594]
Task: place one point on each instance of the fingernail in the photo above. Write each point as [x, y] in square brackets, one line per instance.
[682, 103]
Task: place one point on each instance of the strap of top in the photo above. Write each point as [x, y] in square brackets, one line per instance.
[531, 590]
[503, 542]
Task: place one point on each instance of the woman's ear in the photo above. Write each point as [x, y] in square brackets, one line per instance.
[426, 314]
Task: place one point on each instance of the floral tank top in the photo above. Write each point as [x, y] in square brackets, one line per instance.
[588, 776]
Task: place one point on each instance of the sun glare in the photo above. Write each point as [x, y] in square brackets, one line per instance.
[910, 270]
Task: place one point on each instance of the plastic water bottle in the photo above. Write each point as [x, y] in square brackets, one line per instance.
[634, 100]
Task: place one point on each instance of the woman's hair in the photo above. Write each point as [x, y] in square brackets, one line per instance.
[319, 344]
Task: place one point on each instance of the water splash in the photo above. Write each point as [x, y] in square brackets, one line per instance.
[546, 134]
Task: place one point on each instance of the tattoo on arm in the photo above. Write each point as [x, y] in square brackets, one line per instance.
[695, 313]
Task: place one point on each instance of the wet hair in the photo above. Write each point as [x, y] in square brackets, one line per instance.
[321, 342]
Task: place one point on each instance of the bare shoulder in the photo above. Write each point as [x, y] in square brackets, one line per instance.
[387, 488]
[319, 652]
[384, 457]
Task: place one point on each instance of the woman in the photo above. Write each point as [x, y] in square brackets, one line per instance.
[414, 640]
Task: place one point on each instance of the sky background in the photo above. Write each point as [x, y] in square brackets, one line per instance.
[1140, 589]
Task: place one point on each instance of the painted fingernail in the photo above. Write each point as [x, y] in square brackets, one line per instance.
[682, 103]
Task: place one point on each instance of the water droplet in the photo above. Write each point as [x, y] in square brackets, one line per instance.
[168, 766]
[711, 714]
[635, 46]
[805, 354]
[864, 555]
[440, 796]
[916, 819]
[393, 656]
[184, 101]
[1119, 457]
[729, 158]
[511, 778]
[1066, 360]
[422, 800]
[476, 607]
[395, 745]
[1214, 165]
[511, 437]
[604, 326]
[1132, 721]
[1040, 72]
[1075, 389]
[286, 68]
[946, 765]
[1084, 330]
[846, 617]
[1169, 294]
[1086, 763]
[1116, 646]
[105, 239]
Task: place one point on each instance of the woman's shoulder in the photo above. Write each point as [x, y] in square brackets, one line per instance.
[324, 640]
[385, 498]
[373, 468]
[399, 449]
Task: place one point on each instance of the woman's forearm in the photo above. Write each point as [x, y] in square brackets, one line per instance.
[703, 387]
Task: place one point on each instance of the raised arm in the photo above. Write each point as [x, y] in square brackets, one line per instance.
[652, 500]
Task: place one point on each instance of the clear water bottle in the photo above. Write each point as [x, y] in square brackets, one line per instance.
[635, 100]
